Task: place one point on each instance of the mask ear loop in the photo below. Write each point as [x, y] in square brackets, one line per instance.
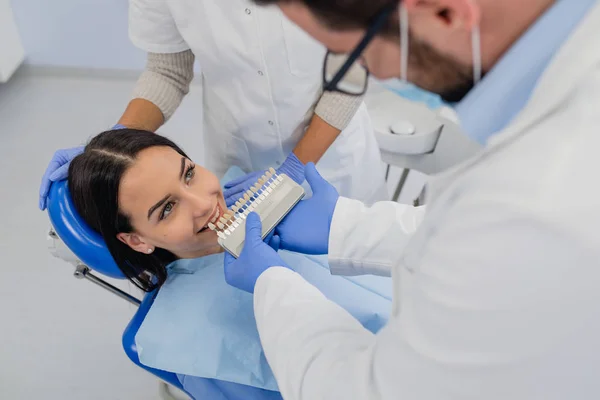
[403, 16]
[476, 50]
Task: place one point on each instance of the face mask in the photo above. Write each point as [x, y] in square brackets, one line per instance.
[405, 89]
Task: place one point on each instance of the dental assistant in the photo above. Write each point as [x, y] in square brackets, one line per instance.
[496, 283]
[263, 103]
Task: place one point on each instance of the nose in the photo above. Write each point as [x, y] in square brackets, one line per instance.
[201, 205]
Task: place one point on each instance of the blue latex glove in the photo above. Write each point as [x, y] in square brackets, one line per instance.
[235, 189]
[256, 257]
[306, 228]
[58, 169]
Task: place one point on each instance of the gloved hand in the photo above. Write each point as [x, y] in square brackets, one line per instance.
[235, 189]
[256, 257]
[58, 169]
[306, 228]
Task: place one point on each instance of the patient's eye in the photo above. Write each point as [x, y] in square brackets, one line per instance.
[189, 173]
[167, 210]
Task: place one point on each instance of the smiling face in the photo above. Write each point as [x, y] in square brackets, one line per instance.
[170, 200]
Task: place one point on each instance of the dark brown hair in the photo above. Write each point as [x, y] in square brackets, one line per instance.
[94, 178]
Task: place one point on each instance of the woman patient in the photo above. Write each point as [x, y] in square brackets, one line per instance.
[148, 200]
[152, 206]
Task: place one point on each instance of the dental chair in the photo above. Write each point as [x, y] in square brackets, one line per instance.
[72, 240]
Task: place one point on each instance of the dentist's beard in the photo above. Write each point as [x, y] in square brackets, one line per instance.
[438, 73]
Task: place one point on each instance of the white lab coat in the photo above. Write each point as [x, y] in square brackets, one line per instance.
[496, 284]
[261, 77]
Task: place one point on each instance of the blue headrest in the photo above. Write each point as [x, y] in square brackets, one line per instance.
[82, 240]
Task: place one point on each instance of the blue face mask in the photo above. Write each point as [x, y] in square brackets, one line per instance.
[413, 93]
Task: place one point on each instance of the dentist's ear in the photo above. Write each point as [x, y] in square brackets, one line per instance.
[137, 243]
[460, 14]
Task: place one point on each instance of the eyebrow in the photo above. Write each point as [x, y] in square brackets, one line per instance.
[182, 168]
[157, 205]
[164, 199]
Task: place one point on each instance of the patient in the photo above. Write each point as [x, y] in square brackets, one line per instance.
[148, 200]
[152, 205]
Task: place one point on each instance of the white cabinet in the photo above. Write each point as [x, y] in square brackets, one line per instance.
[11, 49]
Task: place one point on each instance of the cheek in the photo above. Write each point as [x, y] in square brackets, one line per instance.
[175, 236]
[383, 59]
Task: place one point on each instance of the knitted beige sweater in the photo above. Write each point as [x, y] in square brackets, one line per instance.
[167, 77]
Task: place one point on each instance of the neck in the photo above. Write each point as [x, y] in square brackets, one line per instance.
[204, 252]
[504, 22]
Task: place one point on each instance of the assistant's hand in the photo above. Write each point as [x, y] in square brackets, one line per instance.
[256, 257]
[235, 189]
[306, 228]
[57, 170]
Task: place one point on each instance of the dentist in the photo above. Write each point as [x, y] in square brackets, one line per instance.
[496, 283]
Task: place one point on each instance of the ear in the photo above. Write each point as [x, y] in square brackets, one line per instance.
[135, 241]
[453, 14]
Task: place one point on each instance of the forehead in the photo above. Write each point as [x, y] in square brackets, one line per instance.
[149, 179]
[336, 41]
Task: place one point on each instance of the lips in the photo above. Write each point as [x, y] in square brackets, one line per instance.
[213, 218]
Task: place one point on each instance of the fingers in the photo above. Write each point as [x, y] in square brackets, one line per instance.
[42, 203]
[275, 242]
[236, 182]
[234, 191]
[44, 189]
[228, 264]
[61, 173]
[253, 228]
[313, 177]
[231, 198]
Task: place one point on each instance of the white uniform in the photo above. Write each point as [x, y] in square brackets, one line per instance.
[261, 76]
[496, 285]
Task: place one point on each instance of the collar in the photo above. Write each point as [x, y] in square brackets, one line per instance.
[505, 90]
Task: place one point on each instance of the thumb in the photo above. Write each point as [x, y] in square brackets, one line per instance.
[253, 228]
[314, 179]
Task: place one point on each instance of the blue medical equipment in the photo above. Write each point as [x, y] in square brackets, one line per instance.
[92, 254]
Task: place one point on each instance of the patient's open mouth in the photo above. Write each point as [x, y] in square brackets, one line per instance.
[214, 218]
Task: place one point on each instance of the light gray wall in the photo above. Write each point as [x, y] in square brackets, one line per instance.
[77, 33]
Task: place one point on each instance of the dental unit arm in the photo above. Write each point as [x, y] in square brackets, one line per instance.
[412, 136]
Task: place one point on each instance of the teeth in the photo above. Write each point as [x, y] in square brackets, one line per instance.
[272, 170]
[211, 226]
[217, 214]
[246, 197]
[220, 225]
[235, 208]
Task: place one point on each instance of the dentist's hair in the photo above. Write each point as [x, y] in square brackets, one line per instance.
[94, 178]
[342, 15]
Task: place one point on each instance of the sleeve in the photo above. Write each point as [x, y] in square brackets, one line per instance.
[497, 307]
[369, 240]
[152, 27]
[337, 109]
[166, 80]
